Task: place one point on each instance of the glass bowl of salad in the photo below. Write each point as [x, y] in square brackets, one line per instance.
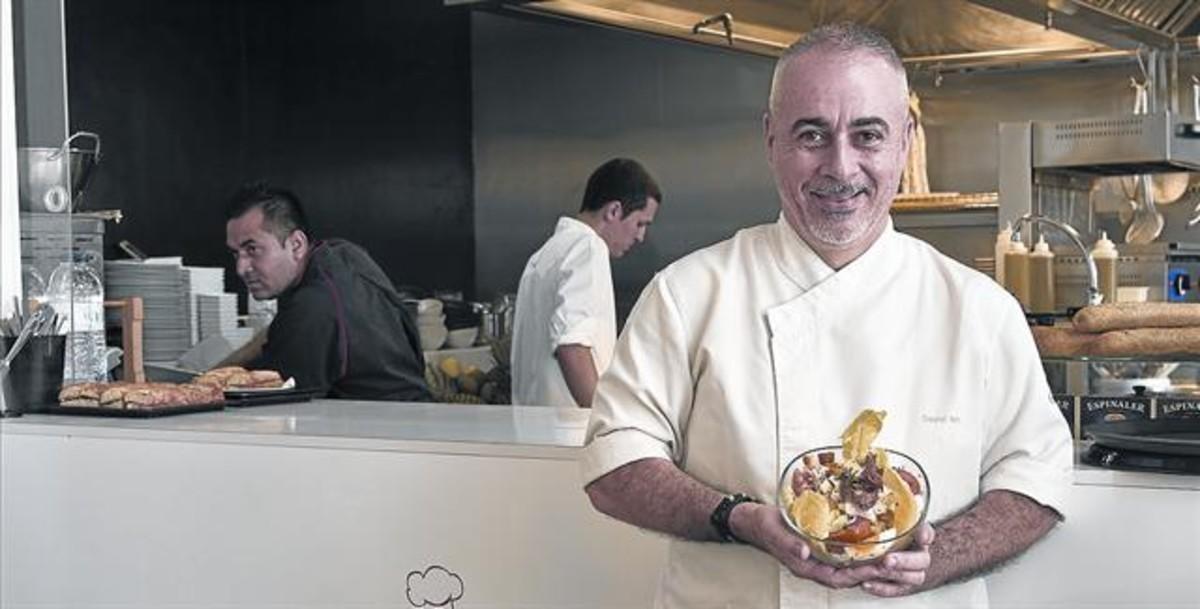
[854, 511]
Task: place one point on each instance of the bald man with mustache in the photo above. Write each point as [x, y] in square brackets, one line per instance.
[744, 354]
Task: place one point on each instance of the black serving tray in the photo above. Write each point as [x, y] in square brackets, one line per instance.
[243, 399]
[1118, 458]
[1156, 436]
[128, 413]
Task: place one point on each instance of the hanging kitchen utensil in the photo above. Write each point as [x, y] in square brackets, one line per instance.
[1193, 197]
[1171, 187]
[1128, 186]
[27, 329]
[1106, 196]
[46, 174]
[1147, 223]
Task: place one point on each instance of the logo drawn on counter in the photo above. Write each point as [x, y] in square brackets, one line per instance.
[434, 587]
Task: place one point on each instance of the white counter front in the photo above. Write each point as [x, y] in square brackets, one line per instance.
[368, 504]
[325, 504]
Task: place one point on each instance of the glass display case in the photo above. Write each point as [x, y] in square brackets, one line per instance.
[1096, 389]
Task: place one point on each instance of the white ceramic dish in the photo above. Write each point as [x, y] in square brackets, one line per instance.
[462, 337]
[432, 336]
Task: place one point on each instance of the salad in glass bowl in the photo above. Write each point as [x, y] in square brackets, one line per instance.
[854, 503]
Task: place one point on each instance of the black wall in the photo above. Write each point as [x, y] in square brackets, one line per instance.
[363, 107]
[554, 99]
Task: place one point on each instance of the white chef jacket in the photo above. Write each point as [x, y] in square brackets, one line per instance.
[565, 298]
[744, 354]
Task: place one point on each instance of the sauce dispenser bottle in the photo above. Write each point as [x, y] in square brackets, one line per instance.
[1041, 278]
[1016, 272]
[1003, 243]
[1104, 253]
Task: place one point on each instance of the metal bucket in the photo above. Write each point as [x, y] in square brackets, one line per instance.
[44, 174]
[35, 375]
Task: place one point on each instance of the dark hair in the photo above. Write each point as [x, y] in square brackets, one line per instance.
[281, 209]
[623, 180]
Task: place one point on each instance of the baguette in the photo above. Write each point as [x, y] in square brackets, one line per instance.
[1147, 342]
[255, 379]
[1129, 315]
[1059, 341]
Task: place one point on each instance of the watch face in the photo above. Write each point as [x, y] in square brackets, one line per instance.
[720, 515]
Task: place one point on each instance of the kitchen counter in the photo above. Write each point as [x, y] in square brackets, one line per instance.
[400, 426]
[338, 503]
[418, 427]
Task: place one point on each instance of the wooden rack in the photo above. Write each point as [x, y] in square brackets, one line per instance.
[132, 317]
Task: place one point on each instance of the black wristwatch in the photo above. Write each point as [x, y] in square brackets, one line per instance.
[720, 516]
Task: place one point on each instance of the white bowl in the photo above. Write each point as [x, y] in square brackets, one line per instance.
[462, 337]
[431, 320]
[429, 306]
[432, 336]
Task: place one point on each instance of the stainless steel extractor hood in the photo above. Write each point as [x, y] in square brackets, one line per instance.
[1121, 145]
[937, 34]
[1121, 24]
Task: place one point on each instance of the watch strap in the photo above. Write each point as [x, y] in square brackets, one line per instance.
[720, 516]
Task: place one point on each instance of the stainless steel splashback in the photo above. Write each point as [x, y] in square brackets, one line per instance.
[1171, 271]
[1118, 145]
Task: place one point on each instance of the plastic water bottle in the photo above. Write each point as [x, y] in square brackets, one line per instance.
[33, 284]
[76, 283]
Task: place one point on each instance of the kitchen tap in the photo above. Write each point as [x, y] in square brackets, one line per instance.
[1092, 294]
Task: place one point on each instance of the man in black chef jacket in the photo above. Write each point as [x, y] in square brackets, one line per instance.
[341, 328]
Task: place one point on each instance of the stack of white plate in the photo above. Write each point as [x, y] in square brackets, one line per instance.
[217, 315]
[201, 280]
[163, 287]
[431, 323]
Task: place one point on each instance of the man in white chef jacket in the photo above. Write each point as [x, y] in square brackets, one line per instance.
[744, 354]
[565, 325]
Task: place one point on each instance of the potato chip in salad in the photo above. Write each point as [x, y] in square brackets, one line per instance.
[860, 433]
[859, 498]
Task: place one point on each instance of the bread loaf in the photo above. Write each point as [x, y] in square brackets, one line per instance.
[202, 394]
[148, 397]
[1060, 341]
[1127, 315]
[114, 394]
[235, 377]
[81, 394]
[219, 377]
[254, 379]
[1138, 342]
[1147, 342]
[138, 395]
